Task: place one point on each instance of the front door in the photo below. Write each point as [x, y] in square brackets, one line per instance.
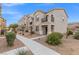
[44, 29]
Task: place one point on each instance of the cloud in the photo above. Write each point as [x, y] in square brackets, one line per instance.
[13, 17]
[12, 4]
[13, 14]
[10, 12]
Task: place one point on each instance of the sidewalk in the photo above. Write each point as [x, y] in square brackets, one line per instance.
[36, 48]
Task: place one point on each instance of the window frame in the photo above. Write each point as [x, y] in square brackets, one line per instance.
[52, 18]
[52, 28]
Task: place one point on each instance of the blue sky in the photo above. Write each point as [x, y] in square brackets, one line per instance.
[14, 12]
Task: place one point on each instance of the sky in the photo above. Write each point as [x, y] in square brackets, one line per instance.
[13, 12]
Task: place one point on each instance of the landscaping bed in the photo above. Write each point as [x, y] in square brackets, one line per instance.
[68, 47]
[5, 48]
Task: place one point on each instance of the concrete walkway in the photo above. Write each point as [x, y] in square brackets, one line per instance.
[36, 48]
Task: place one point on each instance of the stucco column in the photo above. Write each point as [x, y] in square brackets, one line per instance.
[49, 18]
[40, 30]
[40, 27]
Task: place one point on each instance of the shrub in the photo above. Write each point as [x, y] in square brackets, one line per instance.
[69, 32]
[23, 52]
[10, 37]
[54, 38]
[76, 35]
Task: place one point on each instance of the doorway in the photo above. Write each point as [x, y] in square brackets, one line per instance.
[45, 29]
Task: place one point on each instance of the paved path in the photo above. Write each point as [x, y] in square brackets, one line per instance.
[36, 48]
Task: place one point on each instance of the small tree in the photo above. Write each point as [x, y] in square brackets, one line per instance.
[10, 38]
[14, 26]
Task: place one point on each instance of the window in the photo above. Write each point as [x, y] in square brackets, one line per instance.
[63, 19]
[52, 18]
[37, 18]
[52, 28]
[32, 18]
[45, 18]
[37, 28]
[30, 23]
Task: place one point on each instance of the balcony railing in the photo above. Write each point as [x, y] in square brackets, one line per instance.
[44, 20]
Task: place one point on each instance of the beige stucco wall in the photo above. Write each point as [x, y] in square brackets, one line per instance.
[59, 24]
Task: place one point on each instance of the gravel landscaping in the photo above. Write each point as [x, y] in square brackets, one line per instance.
[68, 47]
[5, 48]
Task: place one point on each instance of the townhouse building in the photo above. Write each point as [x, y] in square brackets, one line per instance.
[44, 23]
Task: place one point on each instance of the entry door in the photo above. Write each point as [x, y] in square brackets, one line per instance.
[44, 29]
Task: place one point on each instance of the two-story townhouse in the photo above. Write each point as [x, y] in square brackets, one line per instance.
[46, 22]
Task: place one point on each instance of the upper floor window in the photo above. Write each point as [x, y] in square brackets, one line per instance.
[37, 18]
[52, 18]
[32, 18]
[45, 19]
